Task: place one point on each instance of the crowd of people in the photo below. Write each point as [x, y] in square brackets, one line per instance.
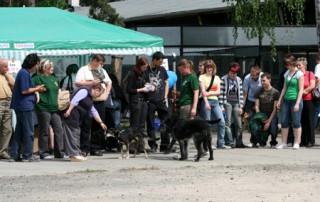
[79, 130]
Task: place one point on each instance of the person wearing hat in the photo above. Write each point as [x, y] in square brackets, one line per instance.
[231, 101]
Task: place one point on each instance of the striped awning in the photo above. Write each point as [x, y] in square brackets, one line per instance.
[21, 54]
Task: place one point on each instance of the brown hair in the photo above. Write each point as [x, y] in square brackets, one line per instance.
[186, 63]
[137, 68]
[210, 63]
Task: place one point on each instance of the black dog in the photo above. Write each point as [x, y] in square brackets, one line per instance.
[127, 137]
[183, 130]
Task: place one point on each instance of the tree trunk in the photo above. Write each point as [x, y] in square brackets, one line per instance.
[317, 6]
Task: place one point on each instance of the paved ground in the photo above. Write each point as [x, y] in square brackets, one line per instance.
[235, 175]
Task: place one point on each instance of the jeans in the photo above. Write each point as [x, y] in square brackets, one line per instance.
[117, 112]
[287, 113]
[316, 113]
[23, 134]
[232, 111]
[216, 113]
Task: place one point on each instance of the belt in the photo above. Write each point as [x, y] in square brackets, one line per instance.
[7, 99]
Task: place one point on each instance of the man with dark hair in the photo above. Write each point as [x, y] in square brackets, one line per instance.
[23, 100]
[266, 100]
[251, 84]
[156, 75]
[88, 76]
[6, 83]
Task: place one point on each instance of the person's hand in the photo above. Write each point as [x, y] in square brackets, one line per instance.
[41, 88]
[278, 105]
[66, 114]
[240, 112]
[296, 108]
[304, 93]
[95, 82]
[266, 125]
[103, 126]
[205, 93]
[208, 107]
[193, 112]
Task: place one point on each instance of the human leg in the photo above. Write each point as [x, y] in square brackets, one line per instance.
[44, 119]
[216, 113]
[5, 128]
[163, 114]
[17, 137]
[238, 125]
[228, 136]
[150, 126]
[97, 132]
[56, 125]
[28, 134]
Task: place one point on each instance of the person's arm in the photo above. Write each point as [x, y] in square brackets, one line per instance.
[87, 83]
[195, 102]
[257, 105]
[166, 91]
[203, 91]
[273, 113]
[301, 86]
[10, 80]
[311, 84]
[39, 88]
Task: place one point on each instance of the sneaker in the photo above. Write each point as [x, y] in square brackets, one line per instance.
[96, 153]
[224, 147]
[282, 146]
[4, 155]
[32, 159]
[77, 158]
[249, 145]
[213, 147]
[49, 157]
[177, 157]
[296, 146]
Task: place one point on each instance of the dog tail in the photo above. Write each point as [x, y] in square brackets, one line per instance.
[214, 121]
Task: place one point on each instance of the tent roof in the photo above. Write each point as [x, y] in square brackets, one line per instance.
[51, 31]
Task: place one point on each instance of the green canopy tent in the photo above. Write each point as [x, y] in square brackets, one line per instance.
[55, 32]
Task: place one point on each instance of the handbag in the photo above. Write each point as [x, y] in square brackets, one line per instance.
[316, 95]
[63, 100]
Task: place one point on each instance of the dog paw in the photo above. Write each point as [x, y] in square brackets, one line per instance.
[210, 159]
[196, 160]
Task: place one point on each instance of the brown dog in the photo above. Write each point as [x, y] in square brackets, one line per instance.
[127, 137]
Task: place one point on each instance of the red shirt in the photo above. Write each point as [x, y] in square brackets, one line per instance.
[308, 76]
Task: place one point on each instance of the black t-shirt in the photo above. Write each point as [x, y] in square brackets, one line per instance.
[266, 99]
[157, 77]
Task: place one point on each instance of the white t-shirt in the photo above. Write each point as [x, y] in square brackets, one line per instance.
[317, 71]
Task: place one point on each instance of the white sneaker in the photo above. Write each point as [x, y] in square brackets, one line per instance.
[249, 145]
[49, 157]
[213, 147]
[296, 146]
[282, 146]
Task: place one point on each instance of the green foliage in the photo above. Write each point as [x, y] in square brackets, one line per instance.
[51, 3]
[101, 10]
[260, 17]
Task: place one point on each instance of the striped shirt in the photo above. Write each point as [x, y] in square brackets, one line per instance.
[224, 89]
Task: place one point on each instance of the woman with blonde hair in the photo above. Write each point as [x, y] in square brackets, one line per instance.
[210, 90]
[46, 110]
[307, 124]
[188, 98]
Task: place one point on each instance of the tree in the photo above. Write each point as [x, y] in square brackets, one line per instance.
[258, 18]
[101, 10]
[51, 3]
[317, 6]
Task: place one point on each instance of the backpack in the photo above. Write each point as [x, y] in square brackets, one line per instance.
[63, 100]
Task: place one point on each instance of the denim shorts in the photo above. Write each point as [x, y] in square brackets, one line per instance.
[288, 114]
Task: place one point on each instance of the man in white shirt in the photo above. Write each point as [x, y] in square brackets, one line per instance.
[88, 76]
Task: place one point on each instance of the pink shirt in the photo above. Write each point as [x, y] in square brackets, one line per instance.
[307, 84]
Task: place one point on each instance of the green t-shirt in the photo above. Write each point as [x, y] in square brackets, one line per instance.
[293, 87]
[189, 84]
[48, 99]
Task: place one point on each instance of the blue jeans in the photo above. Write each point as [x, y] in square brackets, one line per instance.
[117, 112]
[316, 113]
[287, 113]
[232, 111]
[24, 133]
[216, 113]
